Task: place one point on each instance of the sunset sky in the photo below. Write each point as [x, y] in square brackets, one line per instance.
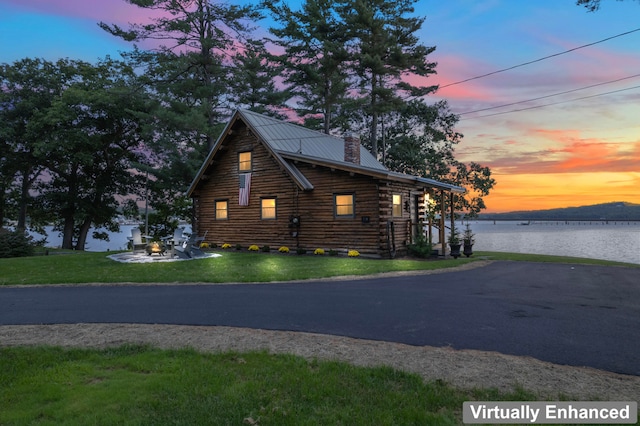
[576, 152]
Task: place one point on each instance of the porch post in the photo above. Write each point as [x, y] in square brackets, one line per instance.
[443, 211]
[453, 219]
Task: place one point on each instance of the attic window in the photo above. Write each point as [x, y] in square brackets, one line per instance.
[344, 205]
[244, 161]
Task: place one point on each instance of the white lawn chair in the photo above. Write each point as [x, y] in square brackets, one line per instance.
[175, 240]
[137, 240]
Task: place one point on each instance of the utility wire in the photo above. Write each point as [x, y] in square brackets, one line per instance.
[549, 96]
[541, 59]
[554, 103]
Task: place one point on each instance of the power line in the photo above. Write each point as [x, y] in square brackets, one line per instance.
[549, 96]
[540, 59]
[554, 103]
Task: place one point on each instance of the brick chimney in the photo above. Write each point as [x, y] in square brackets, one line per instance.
[351, 148]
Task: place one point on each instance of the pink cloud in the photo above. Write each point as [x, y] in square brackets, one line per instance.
[109, 11]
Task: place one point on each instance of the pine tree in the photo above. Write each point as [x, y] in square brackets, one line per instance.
[385, 53]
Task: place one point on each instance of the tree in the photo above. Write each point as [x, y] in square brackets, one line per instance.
[199, 36]
[591, 5]
[422, 142]
[26, 87]
[189, 75]
[253, 85]
[385, 52]
[92, 138]
[315, 58]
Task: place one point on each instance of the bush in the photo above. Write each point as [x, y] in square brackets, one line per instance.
[226, 246]
[319, 251]
[253, 247]
[284, 249]
[333, 252]
[301, 251]
[15, 244]
[353, 253]
[420, 247]
[265, 249]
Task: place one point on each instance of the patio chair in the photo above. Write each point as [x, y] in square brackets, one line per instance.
[191, 247]
[175, 240]
[137, 240]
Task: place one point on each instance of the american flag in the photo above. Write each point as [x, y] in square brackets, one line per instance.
[245, 186]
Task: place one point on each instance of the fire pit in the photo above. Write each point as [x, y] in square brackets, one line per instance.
[155, 247]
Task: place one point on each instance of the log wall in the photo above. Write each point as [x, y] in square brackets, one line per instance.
[366, 232]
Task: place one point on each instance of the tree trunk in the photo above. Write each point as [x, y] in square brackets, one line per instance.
[24, 200]
[82, 234]
[67, 232]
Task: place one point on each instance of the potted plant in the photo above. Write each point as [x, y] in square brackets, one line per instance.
[454, 242]
[467, 240]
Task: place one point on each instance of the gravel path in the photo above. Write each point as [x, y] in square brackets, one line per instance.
[462, 368]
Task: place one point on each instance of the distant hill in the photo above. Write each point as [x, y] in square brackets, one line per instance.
[607, 211]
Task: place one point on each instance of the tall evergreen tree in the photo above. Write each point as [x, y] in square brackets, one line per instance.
[315, 58]
[385, 52]
[254, 83]
[198, 35]
[190, 74]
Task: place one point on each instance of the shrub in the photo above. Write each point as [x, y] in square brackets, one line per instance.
[353, 253]
[333, 252]
[15, 244]
[266, 249]
[226, 246]
[319, 251]
[283, 249]
[301, 251]
[253, 247]
[238, 247]
[420, 247]
[204, 245]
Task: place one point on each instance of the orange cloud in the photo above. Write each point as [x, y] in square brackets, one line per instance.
[556, 151]
[538, 192]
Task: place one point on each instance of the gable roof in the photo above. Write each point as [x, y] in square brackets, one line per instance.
[288, 143]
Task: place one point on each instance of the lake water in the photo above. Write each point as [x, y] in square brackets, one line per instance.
[618, 241]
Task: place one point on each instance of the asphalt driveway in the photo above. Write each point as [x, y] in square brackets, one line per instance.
[566, 314]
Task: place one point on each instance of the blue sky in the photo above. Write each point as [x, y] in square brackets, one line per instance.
[574, 153]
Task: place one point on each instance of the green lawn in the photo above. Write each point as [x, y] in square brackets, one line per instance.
[134, 385]
[232, 266]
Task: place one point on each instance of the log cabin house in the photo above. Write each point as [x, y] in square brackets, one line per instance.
[272, 183]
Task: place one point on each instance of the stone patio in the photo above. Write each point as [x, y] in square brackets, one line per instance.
[141, 257]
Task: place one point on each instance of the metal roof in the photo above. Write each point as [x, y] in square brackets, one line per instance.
[290, 142]
[291, 138]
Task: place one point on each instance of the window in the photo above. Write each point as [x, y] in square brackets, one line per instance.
[397, 205]
[222, 209]
[344, 205]
[244, 161]
[268, 208]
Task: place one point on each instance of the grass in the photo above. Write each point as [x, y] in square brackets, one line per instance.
[134, 385]
[91, 267]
